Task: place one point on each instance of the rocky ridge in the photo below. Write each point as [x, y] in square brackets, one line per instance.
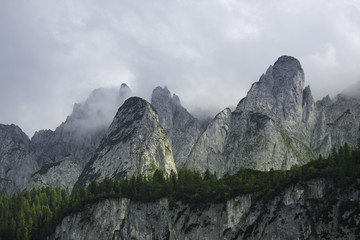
[181, 127]
[135, 144]
[208, 151]
[74, 142]
[77, 138]
[277, 125]
[16, 161]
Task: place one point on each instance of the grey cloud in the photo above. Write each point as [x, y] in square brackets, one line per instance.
[207, 52]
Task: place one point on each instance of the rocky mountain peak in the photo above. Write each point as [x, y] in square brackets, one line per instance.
[16, 162]
[286, 68]
[172, 115]
[125, 91]
[279, 92]
[181, 127]
[163, 102]
[129, 114]
[135, 144]
[11, 136]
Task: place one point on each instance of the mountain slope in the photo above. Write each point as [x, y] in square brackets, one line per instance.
[182, 128]
[16, 162]
[135, 144]
[300, 211]
[63, 153]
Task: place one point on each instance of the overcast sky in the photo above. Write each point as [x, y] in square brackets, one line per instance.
[208, 52]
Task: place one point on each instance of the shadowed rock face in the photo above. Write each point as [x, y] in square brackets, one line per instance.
[279, 92]
[181, 127]
[135, 144]
[16, 162]
[208, 151]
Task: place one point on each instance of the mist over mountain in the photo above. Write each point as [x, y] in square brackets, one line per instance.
[353, 90]
[278, 126]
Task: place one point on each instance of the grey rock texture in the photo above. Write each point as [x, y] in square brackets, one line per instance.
[278, 124]
[135, 144]
[311, 210]
[16, 162]
[271, 127]
[8, 187]
[208, 151]
[62, 174]
[182, 128]
[338, 122]
[62, 153]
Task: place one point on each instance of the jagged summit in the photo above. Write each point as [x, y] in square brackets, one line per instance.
[182, 128]
[171, 113]
[125, 91]
[287, 67]
[135, 144]
[279, 92]
[16, 162]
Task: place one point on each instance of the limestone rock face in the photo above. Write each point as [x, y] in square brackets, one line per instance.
[135, 144]
[62, 174]
[181, 127]
[208, 151]
[300, 211]
[270, 128]
[338, 122]
[16, 162]
[8, 187]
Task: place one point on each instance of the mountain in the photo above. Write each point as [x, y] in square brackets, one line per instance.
[57, 157]
[271, 126]
[16, 162]
[135, 144]
[77, 138]
[277, 125]
[207, 153]
[181, 127]
[338, 122]
[63, 153]
[314, 209]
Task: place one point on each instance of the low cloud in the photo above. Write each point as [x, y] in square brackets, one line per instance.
[207, 52]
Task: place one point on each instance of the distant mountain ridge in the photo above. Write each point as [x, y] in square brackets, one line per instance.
[278, 124]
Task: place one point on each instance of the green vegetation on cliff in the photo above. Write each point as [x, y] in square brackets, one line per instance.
[34, 214]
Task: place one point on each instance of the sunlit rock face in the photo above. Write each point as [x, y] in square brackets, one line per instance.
[208, 151]
[135, 144]
[181, 127]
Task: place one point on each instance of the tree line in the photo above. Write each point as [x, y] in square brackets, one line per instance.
[34, 214]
